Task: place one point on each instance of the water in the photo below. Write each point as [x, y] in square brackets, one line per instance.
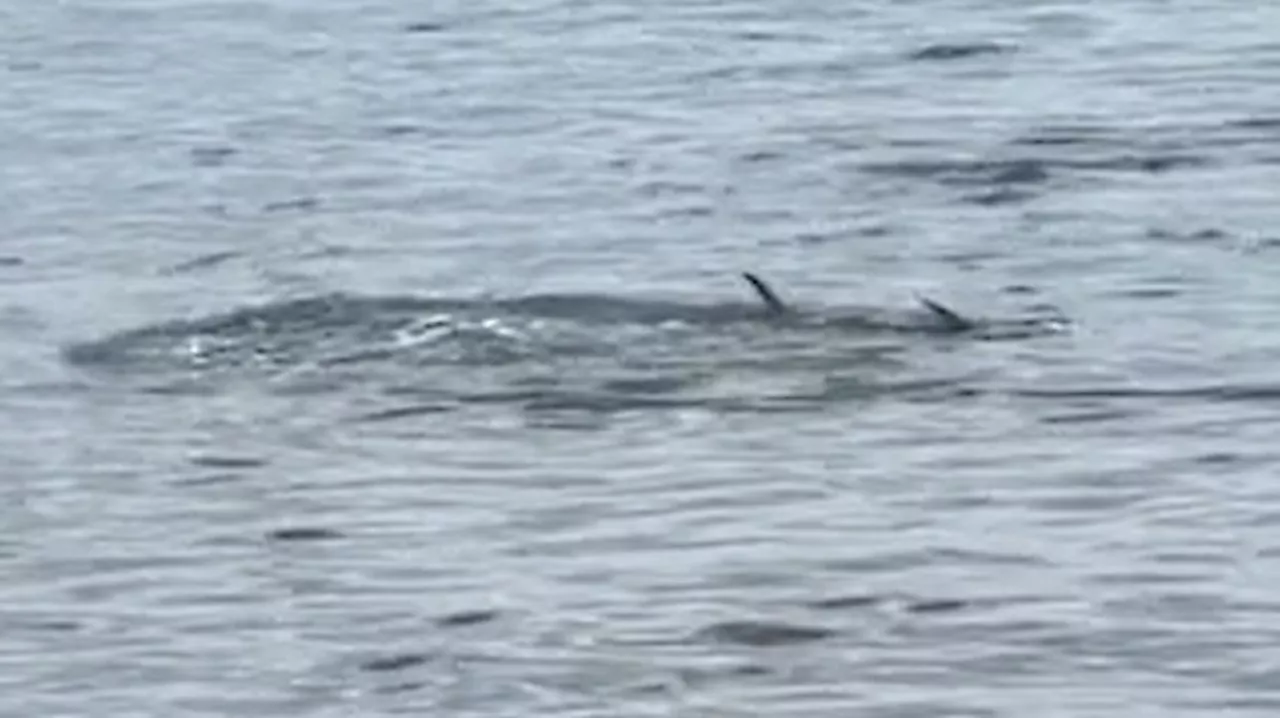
[367, 360]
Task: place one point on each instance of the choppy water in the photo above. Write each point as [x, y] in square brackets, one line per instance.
[368, 360]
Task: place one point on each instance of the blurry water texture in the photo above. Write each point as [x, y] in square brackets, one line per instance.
[394, 359]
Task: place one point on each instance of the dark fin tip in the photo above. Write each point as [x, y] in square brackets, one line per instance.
[953, 320]
[766, 294]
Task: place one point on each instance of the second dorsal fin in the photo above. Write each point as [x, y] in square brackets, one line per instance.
[766, 294]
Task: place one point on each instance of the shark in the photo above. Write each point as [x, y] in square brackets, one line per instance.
[296, 327]
[940, 317]
[936, 318]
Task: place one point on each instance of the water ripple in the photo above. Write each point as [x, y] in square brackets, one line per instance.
[370, 360]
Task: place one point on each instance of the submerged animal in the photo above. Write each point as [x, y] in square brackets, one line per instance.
[299, 329]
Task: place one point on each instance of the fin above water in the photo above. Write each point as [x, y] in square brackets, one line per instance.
[766, 294]
[952, 320]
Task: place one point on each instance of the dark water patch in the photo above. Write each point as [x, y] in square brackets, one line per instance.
[397, 662]
[967, 172]
[839, 603]
[1150, 163]
[424, 27]
[874, 231]
[1152, 287]
[999, 197]
[1149, 292]
[959, 51]
[1147, 577]
[298, 204]
[1206, 235]
[1255, 123]
[228, 462]
[1094, 416]
[687, 212]
[51, 625]
[670, 188]
[568, 422]
[967, 557]
[757, 156]
[780, 405]
[1225, 392]
[1219, 458]
[401, 687]
[937, 605]
[304, 533]
[11, 261]
[621, 163]
[903, 143]
[359, 356]
[1046, 309]
[762, 633]
[1261, 244]
[211, 156]
[883, 562]
[1016, 176]
[972, 257]
[1191, 557]
[1021, 172]
[854, 388]
[813, 238]
[1268, 519]
[182, 386]
[1066, 137]
[406, 412]
[649, 384]
[206, 261]
[461, 619]
[400, 130]
[870, 231]
[968, 392]
[1019, 289]
[770, 36]
[503, 396]
[605, 402]
[24, 65]
[214, 479]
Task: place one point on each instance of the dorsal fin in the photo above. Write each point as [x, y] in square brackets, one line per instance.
[766, 294]
[953, 321]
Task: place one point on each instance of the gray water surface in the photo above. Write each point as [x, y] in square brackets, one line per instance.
[370, 360]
